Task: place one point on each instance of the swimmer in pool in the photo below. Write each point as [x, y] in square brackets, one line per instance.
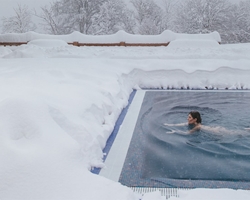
[194, 119]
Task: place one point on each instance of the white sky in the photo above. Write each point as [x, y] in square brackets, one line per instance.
[6, 8]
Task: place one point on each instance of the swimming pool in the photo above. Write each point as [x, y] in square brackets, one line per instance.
[217, 156]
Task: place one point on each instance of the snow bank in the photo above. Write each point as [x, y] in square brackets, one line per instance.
[195, 40]
[4, 51]
[26, 37]
[180, 43]
[59, 104]
[55, 117]
[48, 43]
[120, 36]
[27, 51]
[214, 36]
[195, 50]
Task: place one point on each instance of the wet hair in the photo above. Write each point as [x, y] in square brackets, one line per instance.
[196, 115]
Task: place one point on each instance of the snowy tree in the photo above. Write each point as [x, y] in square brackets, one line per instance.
[169, 14]
[21, 22]
[54, 20]
[202, 16]
[113, 16]
[66, 16]
[233, 31]
[148, 16]
[128, 20]
[236, 26]
[241, 26]
[84, 13]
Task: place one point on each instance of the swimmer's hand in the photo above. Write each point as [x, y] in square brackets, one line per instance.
[181, 124]
[170, 132]
[168, 124]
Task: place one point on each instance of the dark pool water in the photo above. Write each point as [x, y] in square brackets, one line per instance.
[220, 151]
[218, 156]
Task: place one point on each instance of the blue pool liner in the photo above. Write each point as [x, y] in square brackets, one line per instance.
[115, 131]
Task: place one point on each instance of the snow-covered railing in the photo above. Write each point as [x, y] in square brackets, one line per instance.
[93, 44]
[12, 43]
[121, 38]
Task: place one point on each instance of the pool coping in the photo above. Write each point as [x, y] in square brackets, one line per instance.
[115, 159]
[116, 155]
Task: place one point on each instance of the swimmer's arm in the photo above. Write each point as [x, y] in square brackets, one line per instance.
[248, 129]
[181, 124]
[179, 132]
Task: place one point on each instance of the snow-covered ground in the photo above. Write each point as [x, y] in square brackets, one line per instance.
[59, 104]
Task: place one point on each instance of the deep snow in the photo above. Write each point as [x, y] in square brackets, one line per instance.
[59, 104]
